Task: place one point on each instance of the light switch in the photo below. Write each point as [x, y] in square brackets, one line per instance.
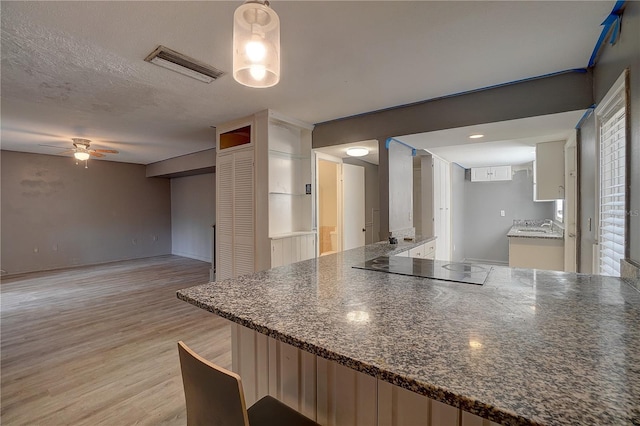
[502, 213]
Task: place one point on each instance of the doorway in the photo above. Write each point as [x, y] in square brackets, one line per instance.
[340, 206]
[329, 206]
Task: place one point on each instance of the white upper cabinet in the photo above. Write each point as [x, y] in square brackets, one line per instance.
[489, 174]
[549, 171]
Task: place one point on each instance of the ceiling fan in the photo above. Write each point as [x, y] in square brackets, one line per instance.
[82, 150]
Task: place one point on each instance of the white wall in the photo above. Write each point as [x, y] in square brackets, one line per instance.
[193, 213]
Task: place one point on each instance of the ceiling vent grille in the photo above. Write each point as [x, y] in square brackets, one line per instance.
[183, 64]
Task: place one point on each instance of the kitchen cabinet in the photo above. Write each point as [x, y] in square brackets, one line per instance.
[548, 175]
[489, 174]
[292, 248]
[536, 253]
[442, 207]
[423, 251]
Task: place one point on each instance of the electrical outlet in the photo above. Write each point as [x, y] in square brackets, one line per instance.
[502, 213]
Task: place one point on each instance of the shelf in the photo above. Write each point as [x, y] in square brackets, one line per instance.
[289, 155]
[302, 194]
[291, 234]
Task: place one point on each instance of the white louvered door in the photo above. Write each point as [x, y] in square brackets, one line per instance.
[243, 211]
[235, 228]
[224, 217]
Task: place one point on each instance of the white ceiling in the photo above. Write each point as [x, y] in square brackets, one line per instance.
[505, 143]
[76, 69]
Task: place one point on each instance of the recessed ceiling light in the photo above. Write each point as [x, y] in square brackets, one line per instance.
[477, 136]
[357, 152]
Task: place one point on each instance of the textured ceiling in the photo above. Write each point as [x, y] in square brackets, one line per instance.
[76, 69]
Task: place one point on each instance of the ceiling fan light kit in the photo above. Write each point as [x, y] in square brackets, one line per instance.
[256, 44]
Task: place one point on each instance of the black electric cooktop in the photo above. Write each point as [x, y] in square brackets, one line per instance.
[427, 268]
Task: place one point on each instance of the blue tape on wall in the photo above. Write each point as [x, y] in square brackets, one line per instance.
[586, 114]
[612, 21]
[388, 142]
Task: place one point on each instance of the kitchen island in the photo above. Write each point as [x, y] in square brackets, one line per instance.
[528, 347]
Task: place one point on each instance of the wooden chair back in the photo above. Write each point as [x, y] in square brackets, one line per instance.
[214, 396]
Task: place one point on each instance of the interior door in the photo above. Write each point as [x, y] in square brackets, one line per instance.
[353, 206]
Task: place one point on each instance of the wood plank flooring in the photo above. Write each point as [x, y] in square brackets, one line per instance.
[98, 345]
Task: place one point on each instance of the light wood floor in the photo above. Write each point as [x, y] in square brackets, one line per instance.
[98, 345]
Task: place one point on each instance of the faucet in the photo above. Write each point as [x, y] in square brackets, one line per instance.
[547, 222]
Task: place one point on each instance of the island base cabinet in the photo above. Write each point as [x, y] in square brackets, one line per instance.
[330, 393]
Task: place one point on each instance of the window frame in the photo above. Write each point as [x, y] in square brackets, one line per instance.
[620, 89]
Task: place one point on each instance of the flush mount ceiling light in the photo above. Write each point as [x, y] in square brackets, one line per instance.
[176, 61]
[477, 136]
[256, 44]
[357, 152]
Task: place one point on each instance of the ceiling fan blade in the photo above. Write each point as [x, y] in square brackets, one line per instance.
[95, 154]
[106, 151]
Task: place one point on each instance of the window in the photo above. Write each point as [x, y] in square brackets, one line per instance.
[612, 179]
[559, 210]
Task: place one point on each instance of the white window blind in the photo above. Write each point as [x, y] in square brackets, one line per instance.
[611, 239]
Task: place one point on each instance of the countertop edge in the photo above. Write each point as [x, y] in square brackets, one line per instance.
[437, 393]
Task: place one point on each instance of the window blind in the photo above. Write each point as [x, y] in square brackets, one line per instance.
[611, 239]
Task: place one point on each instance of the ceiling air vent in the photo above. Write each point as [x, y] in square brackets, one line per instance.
[175, 61]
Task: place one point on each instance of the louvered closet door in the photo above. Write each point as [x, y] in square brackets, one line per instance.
[243, 209]
[224, 217]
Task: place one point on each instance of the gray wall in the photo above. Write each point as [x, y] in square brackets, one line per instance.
[485, 231]
[458, 210]
[611, 62]
[569, 91]
[56, 214]
[193, 201]
[371, 198]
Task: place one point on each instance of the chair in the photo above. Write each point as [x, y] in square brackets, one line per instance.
[214, 397]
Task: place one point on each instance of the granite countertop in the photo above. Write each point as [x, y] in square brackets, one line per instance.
[534, 229]
[528, 347]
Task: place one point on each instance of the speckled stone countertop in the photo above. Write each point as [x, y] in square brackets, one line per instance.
[528, 347]
[534, 229]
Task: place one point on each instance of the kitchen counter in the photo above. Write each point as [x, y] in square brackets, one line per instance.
[534, 229]
[528, 347]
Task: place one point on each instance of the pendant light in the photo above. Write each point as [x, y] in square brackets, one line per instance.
[256, 44]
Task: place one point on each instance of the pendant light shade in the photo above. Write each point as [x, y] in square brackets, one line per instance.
[256, 44]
